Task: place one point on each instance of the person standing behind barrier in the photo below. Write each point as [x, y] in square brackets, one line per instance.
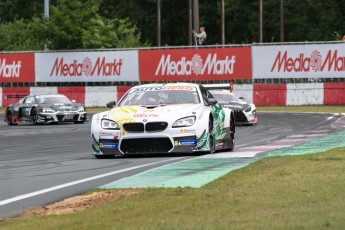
[200, 37]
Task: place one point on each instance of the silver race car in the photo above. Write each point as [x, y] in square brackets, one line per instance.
[245, 113]
[43, 109]
[163, 118]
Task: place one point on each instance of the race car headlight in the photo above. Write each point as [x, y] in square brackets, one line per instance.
[109, 124]
[248, 109]
[81, 109]
[184, 122]
[47, 110]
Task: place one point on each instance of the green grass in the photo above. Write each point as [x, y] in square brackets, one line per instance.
[299, 192]
[304, 108]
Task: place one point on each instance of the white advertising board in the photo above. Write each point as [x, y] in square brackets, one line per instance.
[299, 61]
[102, 66]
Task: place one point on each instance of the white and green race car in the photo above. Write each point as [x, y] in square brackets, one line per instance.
[163, 118]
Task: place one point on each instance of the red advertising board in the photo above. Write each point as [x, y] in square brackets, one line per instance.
[17, 67]
[195, 64]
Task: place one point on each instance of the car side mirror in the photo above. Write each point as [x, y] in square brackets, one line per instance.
[74, 101]
[111, 104]
[241, 98]
[211, 101]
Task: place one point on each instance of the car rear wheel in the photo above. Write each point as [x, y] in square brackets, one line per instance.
[34, 117]
[231, 140]
[210, 138]
[9, 117]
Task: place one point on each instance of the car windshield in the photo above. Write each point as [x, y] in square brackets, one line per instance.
[223, 96]
[53, 99]
[161, 95]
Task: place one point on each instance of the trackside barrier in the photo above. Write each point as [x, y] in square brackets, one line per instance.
[245, 91]
[95, 96]
[304, 94]
[327, 93]
[76, 93]
[269, 94]
[334, 93]
[6, 91]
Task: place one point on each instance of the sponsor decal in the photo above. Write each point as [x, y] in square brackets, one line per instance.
[187, 130]
[315, 62]
[103, 133]
[161, 88]
[185, 142]
[86, 66]
[17, 67]
[212, 65]
[195, 64]
[109, 145]
[145, 115]
[186, 88]
[65, 107]
[116, 135]
[302, 63]
[8, 70]
[299, 61]
[102, 67]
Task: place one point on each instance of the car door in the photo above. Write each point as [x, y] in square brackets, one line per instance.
[26, 106]
[217, 112]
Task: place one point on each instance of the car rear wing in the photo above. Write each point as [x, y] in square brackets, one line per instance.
[228, 86]
[15, 96]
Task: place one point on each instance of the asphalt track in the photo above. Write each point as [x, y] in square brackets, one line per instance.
[47, 163]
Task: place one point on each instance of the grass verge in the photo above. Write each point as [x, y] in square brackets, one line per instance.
[304, 108]
[299, 192]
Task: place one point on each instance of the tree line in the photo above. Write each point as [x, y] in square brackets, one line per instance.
[93, 24]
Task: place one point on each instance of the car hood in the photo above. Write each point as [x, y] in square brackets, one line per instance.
[152, 113]
[235, 105]
[61, 106]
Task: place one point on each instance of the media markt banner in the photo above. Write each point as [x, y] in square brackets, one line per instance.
[18, 67]
[195, 64]
[299, 61]
[102, 66]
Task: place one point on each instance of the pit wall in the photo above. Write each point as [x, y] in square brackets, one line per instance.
[327, 93]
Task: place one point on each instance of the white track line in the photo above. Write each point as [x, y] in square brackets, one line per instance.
[28, 195]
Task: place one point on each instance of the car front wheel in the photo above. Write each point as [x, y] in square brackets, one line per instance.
[9, 117]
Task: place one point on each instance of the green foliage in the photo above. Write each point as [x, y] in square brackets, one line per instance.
[11, 10]
[77, 25]
[132, 23]
[20, 35]
[72, 25]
